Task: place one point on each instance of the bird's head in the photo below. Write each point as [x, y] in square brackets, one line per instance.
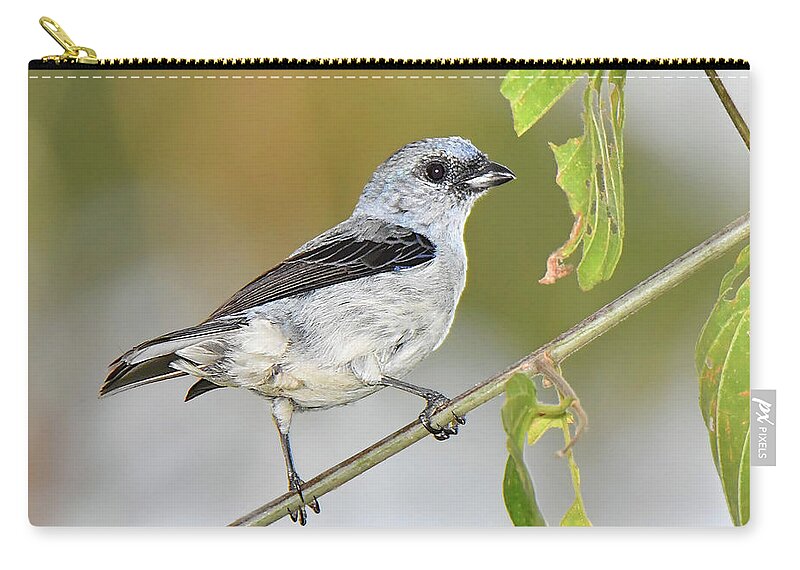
[430, 182]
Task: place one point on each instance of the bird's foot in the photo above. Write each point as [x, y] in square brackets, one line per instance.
[295, 484]
[436, 402]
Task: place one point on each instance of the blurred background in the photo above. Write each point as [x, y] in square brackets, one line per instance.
[151, 202]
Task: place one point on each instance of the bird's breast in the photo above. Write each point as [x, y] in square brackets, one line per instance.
[399, 317]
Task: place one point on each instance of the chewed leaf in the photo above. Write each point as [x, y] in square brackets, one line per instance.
[602, 243]
[574, 160]
[616, 79]
[532, 92]
[590, 174]
[723, 364]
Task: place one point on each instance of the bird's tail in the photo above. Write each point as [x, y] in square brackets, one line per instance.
[124, 376]
[151, 361]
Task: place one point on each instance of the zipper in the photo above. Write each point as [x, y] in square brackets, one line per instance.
[79, 57]
[72, 52]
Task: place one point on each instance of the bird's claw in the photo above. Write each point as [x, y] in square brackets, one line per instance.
[435, 403]
[295, 484]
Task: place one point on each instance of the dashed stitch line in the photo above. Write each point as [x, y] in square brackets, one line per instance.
[390, 77]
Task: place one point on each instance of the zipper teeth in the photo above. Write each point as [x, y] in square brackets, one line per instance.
[391, 63]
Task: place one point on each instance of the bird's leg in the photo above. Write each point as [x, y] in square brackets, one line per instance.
[435, 402]
[282, 413]
[295, 482]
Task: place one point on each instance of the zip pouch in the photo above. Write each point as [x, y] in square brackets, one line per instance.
[284, 245]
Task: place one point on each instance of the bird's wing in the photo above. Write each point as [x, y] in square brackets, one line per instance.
[344, 253]
[351, 250]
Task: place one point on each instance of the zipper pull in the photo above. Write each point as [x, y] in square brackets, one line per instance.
[72, 52]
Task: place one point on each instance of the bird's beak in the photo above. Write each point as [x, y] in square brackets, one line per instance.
[492, 174]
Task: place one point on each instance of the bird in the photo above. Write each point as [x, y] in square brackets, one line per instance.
[350, 312]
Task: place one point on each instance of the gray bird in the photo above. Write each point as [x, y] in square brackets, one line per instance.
[351, 311]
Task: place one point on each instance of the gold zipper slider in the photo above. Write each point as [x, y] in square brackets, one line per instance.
[72, 52]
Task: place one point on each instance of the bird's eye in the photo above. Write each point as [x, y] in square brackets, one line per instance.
[435, 171]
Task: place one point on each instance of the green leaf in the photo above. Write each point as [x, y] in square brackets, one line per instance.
[518, 491]
[539, 426]
[532, 92]
[575, 165]
[519, 496]
[522, 414]
[602, 241]
[576, 514]
[590, 174]
[722, 358]
[737, 272]
[615, 159]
